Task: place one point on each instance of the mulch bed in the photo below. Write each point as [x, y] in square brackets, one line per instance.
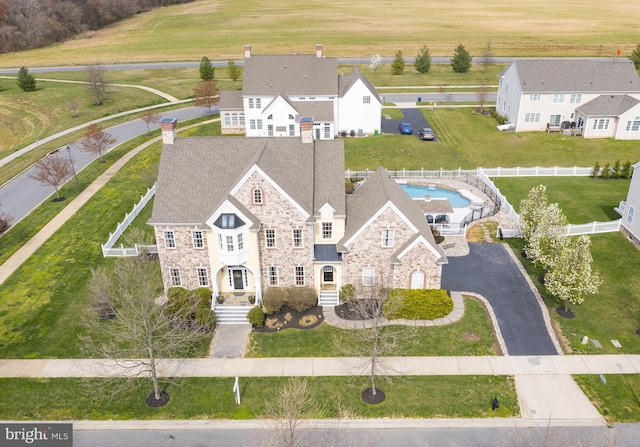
[289, 318]
[157, 403]
[569, 315]
[349, 311]
[369, 398]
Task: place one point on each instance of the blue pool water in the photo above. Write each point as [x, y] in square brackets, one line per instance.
[418, 192]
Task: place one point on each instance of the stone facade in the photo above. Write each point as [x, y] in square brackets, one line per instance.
[279, 214]
[184, 256]
[419, 258]
[367, 251]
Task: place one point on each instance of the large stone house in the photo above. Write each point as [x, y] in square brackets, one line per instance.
[239, 215]
[596, 99]
[279, 90]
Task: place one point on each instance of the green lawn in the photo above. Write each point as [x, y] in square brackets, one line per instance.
[614, 312]
[618, 400]
[322, 341]
[470, 140]
[582, 199]
[212, 398]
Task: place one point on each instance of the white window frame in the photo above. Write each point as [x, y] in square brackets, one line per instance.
[534, 97]
[270, 238]
[234, 119]
[558, 98]
[258, 103]
[292, 130]
[259, 124]
[229, 244]
[532, 117]
[296, 238]
[387, 238]
[251, 103]
[298, 275]
[240, 239]
[197, 237]
[241, 116]
[366, 100]
[252, 124]
[327, 230]
[633, 125]
[272, 275]
[203, 276]
[227, 119]
[176, 278]
[220, 242]
[169, 239]
[368, 276]
[270, 130]
[630, 215]
[556, 121]
[327, 131]
[575, 98]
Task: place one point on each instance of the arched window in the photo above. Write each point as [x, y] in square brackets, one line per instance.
[417, 280]
[242, 119]
[257, 196]
[234, 119]
[227, 119]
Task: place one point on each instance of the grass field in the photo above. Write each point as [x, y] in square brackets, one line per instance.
[617, 400]
[212, 398]
[220, 29]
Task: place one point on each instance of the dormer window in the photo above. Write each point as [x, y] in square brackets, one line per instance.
[228, 222]
[230, 230]
[270, 117]
[257, 196]
[291, 116]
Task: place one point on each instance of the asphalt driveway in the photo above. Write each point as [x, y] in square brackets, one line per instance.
[413, 116]
[489, 270]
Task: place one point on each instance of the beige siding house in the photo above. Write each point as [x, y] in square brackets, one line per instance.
[239, 215]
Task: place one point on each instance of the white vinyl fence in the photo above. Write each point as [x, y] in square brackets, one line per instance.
[108, 250]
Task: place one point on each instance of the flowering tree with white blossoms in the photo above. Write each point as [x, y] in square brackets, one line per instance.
[376, 62]
[570, 277]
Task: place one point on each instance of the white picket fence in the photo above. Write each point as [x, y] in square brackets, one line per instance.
[536, 171]
[107, 248]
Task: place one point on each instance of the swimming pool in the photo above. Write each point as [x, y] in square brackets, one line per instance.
[418, 192]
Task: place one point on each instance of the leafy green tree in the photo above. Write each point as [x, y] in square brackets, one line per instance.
[398, 64]
[233, 71]
[635, 57]
[423, 60]
[571, 277]
[26, 81]
[461, 60]
[206, 69]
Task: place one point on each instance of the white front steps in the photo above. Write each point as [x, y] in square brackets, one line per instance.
[232, 314]
[328, 298]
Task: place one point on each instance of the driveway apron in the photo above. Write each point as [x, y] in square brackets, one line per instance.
[489, 270]
[413, 116]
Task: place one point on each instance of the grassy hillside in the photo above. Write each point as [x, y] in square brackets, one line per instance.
[220, 29]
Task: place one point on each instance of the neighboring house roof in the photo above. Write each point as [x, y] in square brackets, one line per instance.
[373, 195]
[550, 76]
[296, 74]
[608, 105]
[318, 110]
[196, 175]
[345, 83]
[231, 99]
[435, 206]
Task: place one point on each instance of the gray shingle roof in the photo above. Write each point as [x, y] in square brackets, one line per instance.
[374, 193]
[296, 74]
[435, 206]
[318, 110]
[540, 76]
[608, 105]
[231, 99]
[197, 174]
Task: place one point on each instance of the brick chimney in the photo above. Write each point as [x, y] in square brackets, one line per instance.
[306, 129]
[318, 50]
[247, 51]
[168, 127]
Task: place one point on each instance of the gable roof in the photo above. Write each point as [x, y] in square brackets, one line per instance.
[541, 76]
[295, 74]
[318, 110]
[345, 83]
[375, 193]
[196, 175]
[608, 105]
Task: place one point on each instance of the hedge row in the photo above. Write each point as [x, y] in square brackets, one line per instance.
[299, 299]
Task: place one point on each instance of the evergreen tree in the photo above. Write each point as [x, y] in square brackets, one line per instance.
[398, 65]
[635, 57]
[423, 60]
[461, 60]
[26, 81]
[233, 71]
[206, 69]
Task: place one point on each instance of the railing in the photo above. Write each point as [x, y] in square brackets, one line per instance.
[536, 171]
[107, 248]
[593, 228]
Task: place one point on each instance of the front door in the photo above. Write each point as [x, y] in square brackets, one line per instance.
[238, 282]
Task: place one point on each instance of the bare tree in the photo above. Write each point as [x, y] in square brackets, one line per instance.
[482, 94]
[205, 94]
[74, 103]
[5, 221]
[149, 117]
[95, 76]
[290, 410]
[374, 340]
[140, 331]
[96, 140]
[487, 56]
[52, 171]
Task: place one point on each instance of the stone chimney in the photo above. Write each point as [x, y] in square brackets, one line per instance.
[247, 51]
[168, 127]
[318, 50]
[306, 129]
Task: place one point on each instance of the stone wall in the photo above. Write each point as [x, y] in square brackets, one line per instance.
[418, 258]
[184, 256]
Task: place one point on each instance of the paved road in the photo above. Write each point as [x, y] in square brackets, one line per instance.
[489, 270]
[22, 194]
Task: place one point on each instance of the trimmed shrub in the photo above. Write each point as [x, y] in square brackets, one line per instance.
[273, 299]
[190, 309]
[616, 170]
[606, 171]
[627, 170]
[256, 316]
[418, 304]
[347, 293]
[301, 299]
